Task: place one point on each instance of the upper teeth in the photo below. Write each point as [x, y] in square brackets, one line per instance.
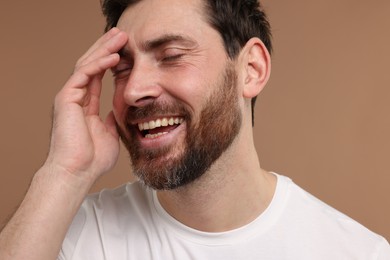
[160, 122]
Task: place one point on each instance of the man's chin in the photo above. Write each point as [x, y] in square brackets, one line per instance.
[158, 168]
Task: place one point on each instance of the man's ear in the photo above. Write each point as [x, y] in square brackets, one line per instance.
[255, 62]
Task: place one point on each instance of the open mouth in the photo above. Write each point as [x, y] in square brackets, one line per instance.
[159, 127]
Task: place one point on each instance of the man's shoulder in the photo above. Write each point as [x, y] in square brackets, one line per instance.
[313, 219]
[107, 217]
[112, 209]
[124, 197]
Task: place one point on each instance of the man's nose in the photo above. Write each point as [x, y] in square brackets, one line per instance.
[142, 87]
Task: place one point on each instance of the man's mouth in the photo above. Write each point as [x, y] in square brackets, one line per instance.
[159, 127]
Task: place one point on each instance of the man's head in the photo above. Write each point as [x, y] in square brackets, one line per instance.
[180, 92]
[237, 21]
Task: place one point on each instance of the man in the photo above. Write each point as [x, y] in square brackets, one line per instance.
[186, 73]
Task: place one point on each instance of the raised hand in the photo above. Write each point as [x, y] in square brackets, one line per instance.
[81, 142]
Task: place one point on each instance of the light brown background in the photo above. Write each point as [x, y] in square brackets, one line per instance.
[323, 119]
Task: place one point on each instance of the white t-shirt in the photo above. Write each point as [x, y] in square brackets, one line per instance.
[129, 223]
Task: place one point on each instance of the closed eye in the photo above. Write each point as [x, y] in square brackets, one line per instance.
[172, 57]
[121, 70]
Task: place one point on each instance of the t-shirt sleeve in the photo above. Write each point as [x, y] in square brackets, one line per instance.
[384, 251]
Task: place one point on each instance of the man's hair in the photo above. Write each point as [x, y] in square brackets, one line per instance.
[237, 21]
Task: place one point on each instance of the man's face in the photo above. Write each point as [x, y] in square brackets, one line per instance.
[176, 101]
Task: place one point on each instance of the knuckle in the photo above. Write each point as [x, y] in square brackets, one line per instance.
[80, 62]
[77, 67]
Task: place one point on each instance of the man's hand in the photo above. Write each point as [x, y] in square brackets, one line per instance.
[81, 142]
[82, 148]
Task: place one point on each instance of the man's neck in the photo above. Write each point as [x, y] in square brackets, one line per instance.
[234, 192]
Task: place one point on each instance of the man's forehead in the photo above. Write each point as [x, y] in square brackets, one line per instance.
[161, 12]
[150, 21]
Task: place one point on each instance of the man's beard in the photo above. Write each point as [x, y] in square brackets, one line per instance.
[176, 165]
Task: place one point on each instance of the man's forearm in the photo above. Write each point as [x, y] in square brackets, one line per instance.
[38, 227]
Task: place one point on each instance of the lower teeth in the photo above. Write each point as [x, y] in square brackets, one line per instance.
[151, 136]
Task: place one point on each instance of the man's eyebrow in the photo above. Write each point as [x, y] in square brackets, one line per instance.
[159, 42]
[166, 39]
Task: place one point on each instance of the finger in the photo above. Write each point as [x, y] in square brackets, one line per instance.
[92, 101]
[83, 75]
[112, 45]
[77, 88]
[104, 38]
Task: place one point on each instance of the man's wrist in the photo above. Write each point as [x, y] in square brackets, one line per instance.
[58, 176]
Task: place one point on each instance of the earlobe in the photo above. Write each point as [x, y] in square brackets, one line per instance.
[256, 63]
